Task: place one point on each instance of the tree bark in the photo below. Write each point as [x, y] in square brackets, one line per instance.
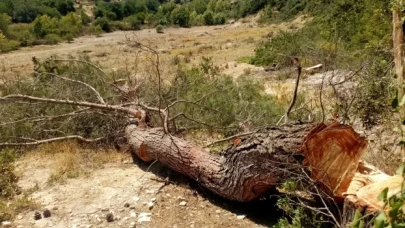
[251, 165]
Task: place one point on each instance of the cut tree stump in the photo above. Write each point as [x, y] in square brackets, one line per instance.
[253, 164]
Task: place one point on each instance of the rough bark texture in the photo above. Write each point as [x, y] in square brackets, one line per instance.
[253, 164]
[243, 172]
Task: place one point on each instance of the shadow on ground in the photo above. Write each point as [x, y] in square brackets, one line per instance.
[262, 212]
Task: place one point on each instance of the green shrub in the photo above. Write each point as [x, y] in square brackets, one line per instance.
[22, 33]
[44, 25]
[8, 179]
[103, 23]
[159, 29]
[134, 22]
[5, 21]
[209, 18]
[226, 102]
[52, 39]
[7, 45]
[281, 48]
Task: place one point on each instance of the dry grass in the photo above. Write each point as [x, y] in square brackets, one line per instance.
[69, 160]
[10, 208]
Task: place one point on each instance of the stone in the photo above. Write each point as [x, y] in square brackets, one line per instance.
[132, 225]
[150, 205]
[6, 224]
[126, 205]
[183, 203]
[144, 217]
[241, 217]
[132, 214]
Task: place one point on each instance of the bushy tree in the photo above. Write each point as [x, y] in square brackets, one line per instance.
[181, 17]
[103, 23]
[5, 21]
[44, 25]
[209, 18]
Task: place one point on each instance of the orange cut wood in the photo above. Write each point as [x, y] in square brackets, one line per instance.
[332, 152]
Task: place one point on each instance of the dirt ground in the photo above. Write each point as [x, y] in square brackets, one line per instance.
[135, 194]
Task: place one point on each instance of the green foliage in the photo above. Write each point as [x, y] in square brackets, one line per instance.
[103, 23]
[134, 22]
[43, 84]
[45, 25]
[180, 16]
[26, 11]
[159, 29]
[299, 218]
[222, 103]
[8, 179]
[7, 45]
[209, 18]
[5, 21]
[374, 95]
[283, 47]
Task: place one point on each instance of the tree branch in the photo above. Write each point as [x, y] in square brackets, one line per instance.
[118, 108]
[39, 142]
[296, 62]
[99, 97]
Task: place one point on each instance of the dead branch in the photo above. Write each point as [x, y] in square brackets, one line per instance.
[297, 63]
[107, 107]
[230, 138]
[39, 142]
[97, 94]
[45, 118]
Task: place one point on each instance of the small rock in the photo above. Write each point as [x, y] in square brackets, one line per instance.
[153, 200]
[70, 211]
[144, 217]
[149, 191]
[110, 217]
[150, 205]
[37, 216]
[133, 214]
[105, 209]
[126, 205]
[55, 208]
[47, 213]
[132, 207]
[181, 198]
[183, 203]
[217, 211]
[125, 218]
[6, 224]
[241, 217]
[20, 217]
[121, 210]
[135, 198]
[132, 225]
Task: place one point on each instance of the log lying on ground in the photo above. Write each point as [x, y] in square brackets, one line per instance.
[252, 165]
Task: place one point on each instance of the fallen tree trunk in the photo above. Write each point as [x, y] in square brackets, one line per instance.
[252, 165]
